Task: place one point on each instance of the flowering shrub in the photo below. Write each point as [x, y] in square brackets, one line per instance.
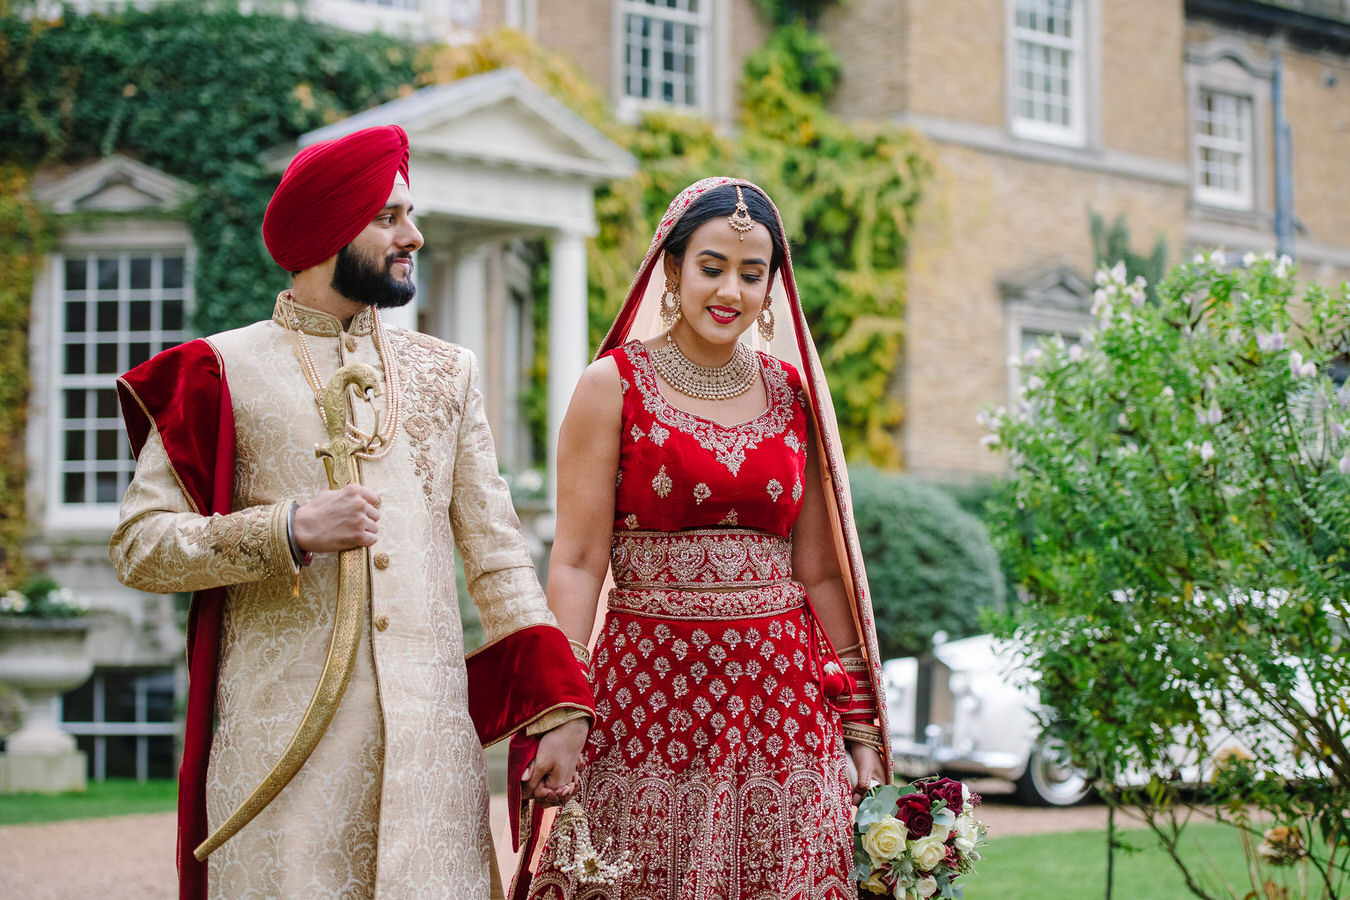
[42, 598]
[914, 841]
[1177, 516]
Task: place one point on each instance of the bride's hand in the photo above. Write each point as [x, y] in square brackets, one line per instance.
[866, 770]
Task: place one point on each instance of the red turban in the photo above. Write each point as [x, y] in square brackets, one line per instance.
[330, 192]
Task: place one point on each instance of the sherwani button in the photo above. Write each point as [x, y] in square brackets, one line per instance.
[381, 560]
[381, 623]
[351, 344]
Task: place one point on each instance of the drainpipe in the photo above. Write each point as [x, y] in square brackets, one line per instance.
[1284, 175]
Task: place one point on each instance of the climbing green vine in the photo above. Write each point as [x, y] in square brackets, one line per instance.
[25, 235]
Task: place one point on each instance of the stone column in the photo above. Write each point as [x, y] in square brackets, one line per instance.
[567, 343]
[470, 301]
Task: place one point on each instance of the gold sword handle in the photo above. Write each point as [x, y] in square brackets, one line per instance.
[349, 617]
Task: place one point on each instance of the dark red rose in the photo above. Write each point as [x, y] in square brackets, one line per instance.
[916, 812]
[947, 791]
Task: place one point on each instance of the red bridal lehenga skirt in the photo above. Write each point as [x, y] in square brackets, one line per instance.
[713, 762]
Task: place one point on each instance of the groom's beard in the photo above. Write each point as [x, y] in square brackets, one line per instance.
[364, 280]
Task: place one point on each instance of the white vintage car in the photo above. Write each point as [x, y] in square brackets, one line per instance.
[966, 710]
[961, 711]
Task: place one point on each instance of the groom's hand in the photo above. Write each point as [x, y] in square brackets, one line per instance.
[550, 778]
[338, 520]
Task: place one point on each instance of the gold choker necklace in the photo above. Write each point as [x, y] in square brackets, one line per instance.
[381, 441]
[731, 379]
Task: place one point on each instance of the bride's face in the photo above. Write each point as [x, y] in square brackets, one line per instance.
[723, 283]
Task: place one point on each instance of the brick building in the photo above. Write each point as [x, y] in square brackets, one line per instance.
[1161, 111]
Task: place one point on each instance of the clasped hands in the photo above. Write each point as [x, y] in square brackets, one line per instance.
[551, 778]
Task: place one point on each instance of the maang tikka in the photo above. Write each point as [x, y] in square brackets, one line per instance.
[740, 220]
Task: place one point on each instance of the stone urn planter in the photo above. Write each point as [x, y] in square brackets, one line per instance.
[41, 659]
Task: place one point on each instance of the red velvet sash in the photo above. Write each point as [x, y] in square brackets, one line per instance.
[182, 393]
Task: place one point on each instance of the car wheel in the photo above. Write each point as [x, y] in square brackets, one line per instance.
[1050, 780]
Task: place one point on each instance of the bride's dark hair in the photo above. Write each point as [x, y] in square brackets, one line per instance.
[721, 202]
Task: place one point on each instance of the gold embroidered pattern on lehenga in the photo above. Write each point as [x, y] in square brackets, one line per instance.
[662, 484]
[728, 444]
[699, 558]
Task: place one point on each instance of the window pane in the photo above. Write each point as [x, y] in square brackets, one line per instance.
[107, 274]
[171, 315]
[172, 274]
[107, 315]
[78, 705]
[106, 360]
[158, 696]
[75, 316]
[107, 404]
[106, 487]
[73, 491]
[140, 315]
[140, 273]
[163, 762]
[137, 353]
[74, 446]
[108, 443]
[75, 274]
[75, 359]
[75, 404]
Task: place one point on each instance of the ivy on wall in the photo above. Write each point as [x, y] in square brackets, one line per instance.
[200, 92]
[25, 235]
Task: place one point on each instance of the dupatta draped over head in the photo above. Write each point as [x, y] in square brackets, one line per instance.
[640, 318]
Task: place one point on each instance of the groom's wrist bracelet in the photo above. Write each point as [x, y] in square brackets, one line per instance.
[583, 655]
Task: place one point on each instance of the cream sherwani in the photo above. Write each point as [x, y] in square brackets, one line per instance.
[394, 801]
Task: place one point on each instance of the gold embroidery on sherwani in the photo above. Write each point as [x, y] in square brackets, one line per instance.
[393, 802]
[241, 539]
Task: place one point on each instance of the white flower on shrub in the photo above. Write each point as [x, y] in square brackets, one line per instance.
[1271, 342]
[1300, 369]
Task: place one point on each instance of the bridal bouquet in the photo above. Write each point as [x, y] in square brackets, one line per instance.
[913, 841]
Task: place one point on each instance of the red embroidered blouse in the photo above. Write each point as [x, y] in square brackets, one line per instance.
[678, 470]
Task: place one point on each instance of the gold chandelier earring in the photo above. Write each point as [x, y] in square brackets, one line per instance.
[670, 304]
[765, 322]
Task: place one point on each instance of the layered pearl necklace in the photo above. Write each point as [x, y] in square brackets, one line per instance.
[379, 443]
[731, 379]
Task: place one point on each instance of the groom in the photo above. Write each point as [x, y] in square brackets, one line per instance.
[229, 502]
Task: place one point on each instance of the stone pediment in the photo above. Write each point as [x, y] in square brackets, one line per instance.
[1058, 288]
[114, 184]
[499, 117]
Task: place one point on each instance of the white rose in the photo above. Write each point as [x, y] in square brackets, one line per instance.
[927, 852]
[967, 834]
[941, 831]
[926, 886]
[885, 840]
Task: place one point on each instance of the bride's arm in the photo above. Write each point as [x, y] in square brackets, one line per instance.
[588, 466]
[815, 563]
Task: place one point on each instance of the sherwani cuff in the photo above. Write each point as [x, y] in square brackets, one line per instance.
[552, 719]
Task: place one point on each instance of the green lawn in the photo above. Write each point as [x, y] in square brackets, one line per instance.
[114, 797]
[1072, 866]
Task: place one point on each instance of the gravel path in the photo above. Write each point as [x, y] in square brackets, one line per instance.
[131, 857]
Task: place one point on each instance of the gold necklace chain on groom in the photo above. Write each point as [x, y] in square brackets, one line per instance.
[371, 446]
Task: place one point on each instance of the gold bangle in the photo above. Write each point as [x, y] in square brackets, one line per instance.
[855, 664]
[581, 652]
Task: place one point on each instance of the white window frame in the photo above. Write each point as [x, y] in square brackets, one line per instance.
[1244, 196]
[1056, 303]
[630, 106]
[125, 241]
[1225, 66]
[1077, 46]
